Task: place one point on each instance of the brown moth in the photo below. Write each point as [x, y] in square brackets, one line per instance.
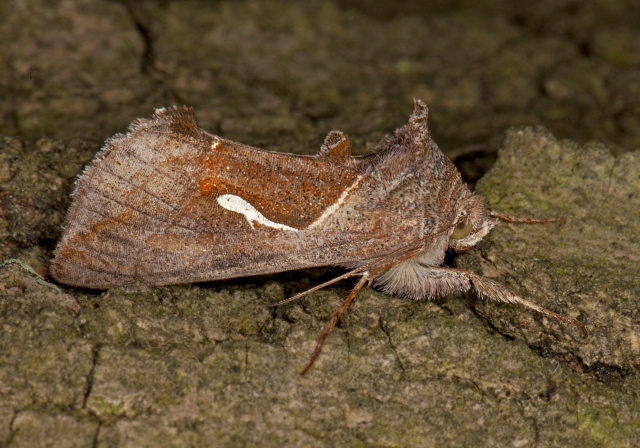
[170, 203]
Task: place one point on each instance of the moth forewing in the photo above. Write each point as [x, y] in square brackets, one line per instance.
[170, 203]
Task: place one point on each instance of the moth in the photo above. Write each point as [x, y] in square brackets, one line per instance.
[171, 203]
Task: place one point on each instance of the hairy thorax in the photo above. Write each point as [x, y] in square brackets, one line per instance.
[407, 277]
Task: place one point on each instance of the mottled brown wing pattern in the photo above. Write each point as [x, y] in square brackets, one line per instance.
[155, 193]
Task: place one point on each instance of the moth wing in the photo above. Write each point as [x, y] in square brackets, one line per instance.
[170, 203]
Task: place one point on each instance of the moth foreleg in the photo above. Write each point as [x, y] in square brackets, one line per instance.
[447, 280]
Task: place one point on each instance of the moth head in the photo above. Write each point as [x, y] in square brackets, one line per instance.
[472, 222]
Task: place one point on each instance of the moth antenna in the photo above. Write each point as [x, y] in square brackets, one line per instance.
[334, 319]
[516, 219]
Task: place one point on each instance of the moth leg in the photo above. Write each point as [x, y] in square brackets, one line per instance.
[352, 273]
[457, 280]
[334, 319]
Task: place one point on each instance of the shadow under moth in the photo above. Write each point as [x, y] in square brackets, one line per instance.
[171, 203]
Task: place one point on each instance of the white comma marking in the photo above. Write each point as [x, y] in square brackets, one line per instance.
[236, 204]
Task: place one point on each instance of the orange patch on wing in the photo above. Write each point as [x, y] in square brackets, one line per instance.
[207, 185]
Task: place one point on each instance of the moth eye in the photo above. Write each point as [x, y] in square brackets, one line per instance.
[462, 229]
